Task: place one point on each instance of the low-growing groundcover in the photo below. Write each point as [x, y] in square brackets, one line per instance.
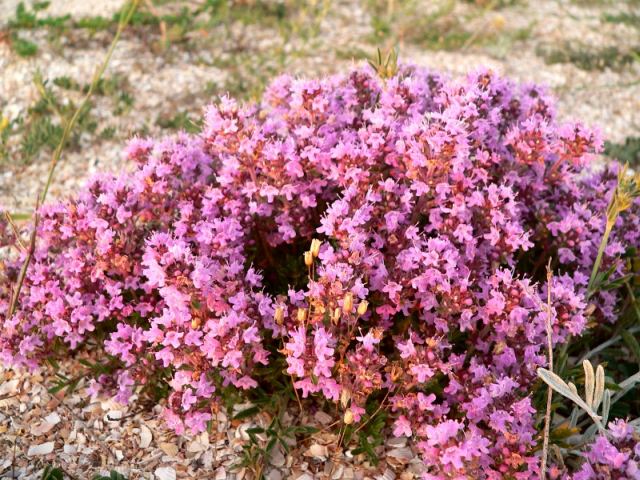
[369, 238]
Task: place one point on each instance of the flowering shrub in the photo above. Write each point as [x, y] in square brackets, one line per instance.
[373, 234]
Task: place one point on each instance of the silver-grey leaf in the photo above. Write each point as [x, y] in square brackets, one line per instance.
[599, 390]
[589, 382]
[606, 406]
[559, 385]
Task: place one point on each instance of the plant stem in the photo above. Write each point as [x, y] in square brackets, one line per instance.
[547, 416]
[55, 158]
[601, 249]
[68, 128]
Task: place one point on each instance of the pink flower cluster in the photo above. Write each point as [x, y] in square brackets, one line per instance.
[615, 456]
[419, 213]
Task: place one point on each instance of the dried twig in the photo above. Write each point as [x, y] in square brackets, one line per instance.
[14, 228]
[547, 416]
[127, 13]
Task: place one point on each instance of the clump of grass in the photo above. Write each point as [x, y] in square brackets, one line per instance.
[624, 18]
[22, 47]
[25, 19]
[444, 25]
[57, 473]
[627, 152]
[43, 126]
[589, 58]
[180, 121]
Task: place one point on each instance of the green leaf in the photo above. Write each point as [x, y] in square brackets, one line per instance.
[271, 444]
[559, 385]
[249, 412]
[22, 47]
[113, 475]
[51, 473]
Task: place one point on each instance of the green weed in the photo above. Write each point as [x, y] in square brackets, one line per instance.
[589, 58]
[627, 152]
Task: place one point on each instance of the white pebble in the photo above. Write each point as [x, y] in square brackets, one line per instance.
[165, 473]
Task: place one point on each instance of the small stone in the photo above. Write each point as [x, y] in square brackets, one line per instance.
[170, 449]
[45, 425]
[113, 416]
[9, 388]
[276, 458]
[338, 470]
[42, 449]
[397, 442]
[401, 455]
[53, 418]
[387, 475]
[69, 449]
[348, 474]
[145, 436]
[165, 473]
[317, 451]
[274, 474]
[323, 417]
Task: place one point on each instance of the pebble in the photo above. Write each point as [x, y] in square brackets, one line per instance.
[165, 473]
[41, 449]
[317, 451]
[145, 437]
[277, 458]
[403, 455]
[170, 449]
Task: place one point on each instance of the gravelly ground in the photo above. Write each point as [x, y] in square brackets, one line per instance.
[239, 54]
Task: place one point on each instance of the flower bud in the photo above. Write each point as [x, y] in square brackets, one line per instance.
[278, 315]
[396, 373]
[335, 318]
[308, 259]
[347, 303]
[315, 247]
[345, 396]
[302, 315]
[348, 417]
[195, 323]
[362, 307]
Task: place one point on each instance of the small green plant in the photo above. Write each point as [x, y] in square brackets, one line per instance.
[263, 440]
[589, 58]
[179, 121]
[370, 433]
[29, 20]
[22, 47]
[113, 475]
[387, 67]
[625, 18]
[627, 190]
[44, 124]
[69, 384]
[52, 473]
[627, 152]
[57, 473]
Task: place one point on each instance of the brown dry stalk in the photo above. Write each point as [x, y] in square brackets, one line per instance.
[547, 416]
[127, 13]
